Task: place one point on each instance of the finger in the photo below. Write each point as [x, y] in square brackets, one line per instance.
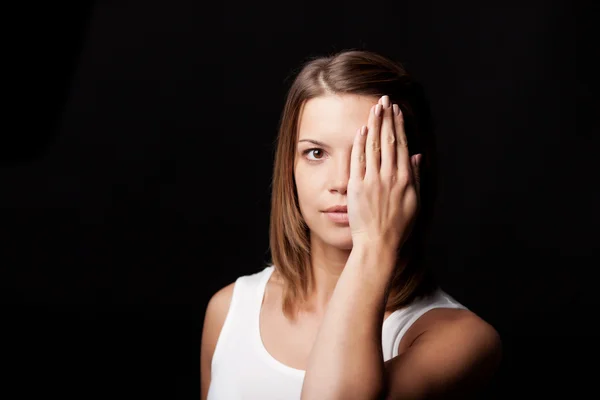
[402, 156]
[387, 140]
[372, 150]
[357, 156]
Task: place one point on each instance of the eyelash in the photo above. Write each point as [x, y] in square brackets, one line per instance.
[305, 152]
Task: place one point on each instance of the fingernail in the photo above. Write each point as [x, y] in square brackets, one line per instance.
[396, 109]
[378, 110]
[363, 130]
[385, 101]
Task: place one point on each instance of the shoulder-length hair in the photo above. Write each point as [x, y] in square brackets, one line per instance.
[362, 73]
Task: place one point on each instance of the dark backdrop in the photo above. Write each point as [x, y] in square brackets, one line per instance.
[136, 162]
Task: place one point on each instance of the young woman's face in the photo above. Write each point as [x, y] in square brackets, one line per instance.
[322, 170]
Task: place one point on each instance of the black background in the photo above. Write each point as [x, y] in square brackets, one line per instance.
[137, 153]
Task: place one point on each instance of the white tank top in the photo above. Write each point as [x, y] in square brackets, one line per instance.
[243, 369]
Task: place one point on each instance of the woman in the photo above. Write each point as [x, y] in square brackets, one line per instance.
[347, 308]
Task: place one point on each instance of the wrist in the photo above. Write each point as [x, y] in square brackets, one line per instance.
[375, 246]
[376, 255]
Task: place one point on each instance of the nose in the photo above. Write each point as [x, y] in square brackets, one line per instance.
[340, 175]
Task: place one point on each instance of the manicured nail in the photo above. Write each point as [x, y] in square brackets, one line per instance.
[385, 101]
[378, 110]
[396, 109]
[363, 130]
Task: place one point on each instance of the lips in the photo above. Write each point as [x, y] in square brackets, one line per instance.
[337, 209]
[338, 214]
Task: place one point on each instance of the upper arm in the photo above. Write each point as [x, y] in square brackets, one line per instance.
[214, 318]
[454, 358]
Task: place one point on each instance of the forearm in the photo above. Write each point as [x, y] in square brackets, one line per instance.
[346, 361]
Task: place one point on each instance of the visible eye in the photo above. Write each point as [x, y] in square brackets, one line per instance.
[314, 149]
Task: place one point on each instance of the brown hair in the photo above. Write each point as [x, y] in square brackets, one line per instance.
[363, 73]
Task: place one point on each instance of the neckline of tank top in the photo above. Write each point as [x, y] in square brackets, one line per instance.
[261, 346]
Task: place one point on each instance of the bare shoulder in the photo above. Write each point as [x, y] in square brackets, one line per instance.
[445, 318]
[214, 318]
[451, 352]
[221, 300]
[453, 326]
[441, 322]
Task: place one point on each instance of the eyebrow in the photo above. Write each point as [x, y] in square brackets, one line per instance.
[314, 142]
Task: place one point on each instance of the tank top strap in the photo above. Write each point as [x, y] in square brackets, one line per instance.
[396, 325]
[243, 312]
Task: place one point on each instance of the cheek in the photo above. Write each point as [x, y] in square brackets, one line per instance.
[307, 187]
[304, 188]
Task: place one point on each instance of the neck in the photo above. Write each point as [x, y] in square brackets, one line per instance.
[327, 264]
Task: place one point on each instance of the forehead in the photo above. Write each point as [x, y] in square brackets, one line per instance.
[334, 116]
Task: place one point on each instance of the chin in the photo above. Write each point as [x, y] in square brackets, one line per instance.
[343, 242]
[338, 237]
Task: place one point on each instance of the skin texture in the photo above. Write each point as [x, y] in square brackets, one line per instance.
[322, 176]
[379, 181]
[450, 352]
